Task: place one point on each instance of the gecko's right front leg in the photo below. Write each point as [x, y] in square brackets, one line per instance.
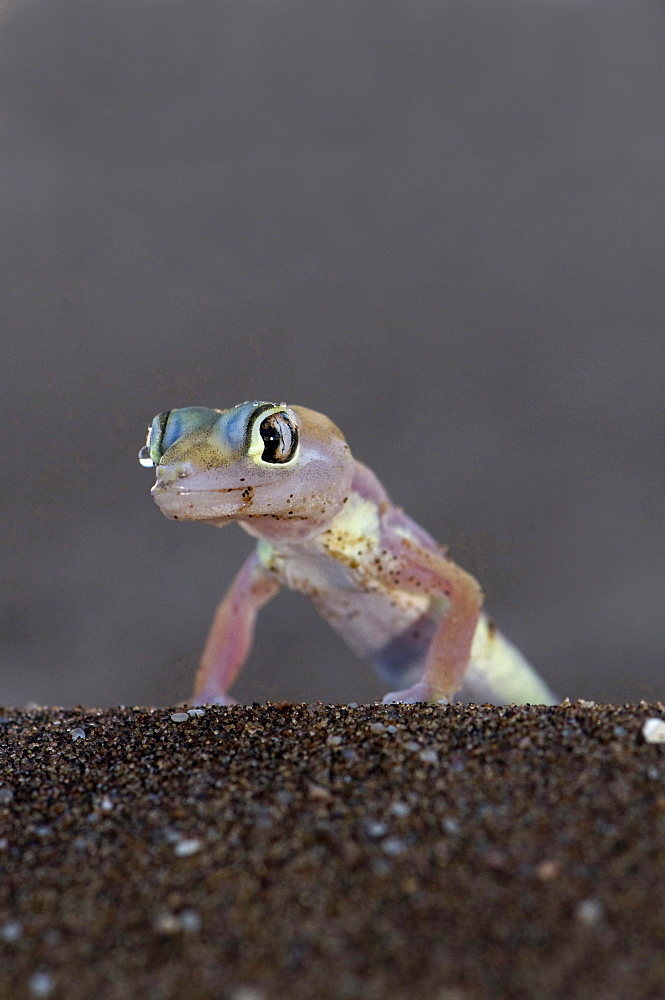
[231, 633]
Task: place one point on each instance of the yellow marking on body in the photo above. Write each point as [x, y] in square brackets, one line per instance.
[354, 535]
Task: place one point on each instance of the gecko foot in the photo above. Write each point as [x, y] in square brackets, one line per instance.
[419, 692]
[219, 699]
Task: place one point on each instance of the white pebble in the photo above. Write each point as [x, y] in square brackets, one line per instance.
[78, 733]
[429, 756]
[167, 923]
[392, 846]
[195, 712]
[377, 727]
[41, 984]
[247, 993]
[589, 911]
[185, 848]
[375, 828]
[333, 741]
[180, 717]
[400, 809]
[412, 745]
[653, 730]
[11, 931]
[6, 795]
[190, 921]
[106, 805]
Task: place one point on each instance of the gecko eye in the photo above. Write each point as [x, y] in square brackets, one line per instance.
[279, 433]
[153, 449]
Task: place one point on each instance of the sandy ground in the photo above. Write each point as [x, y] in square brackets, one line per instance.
[295, 851]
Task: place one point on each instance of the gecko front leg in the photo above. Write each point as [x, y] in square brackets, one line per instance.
[423, 570]
[231, 633]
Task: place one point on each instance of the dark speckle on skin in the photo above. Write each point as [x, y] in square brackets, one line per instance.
[382, 852]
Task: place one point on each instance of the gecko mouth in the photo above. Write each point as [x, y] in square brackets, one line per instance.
[228, 489]
[165, 489]
[218, 504]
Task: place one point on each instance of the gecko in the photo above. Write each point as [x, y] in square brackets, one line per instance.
[326, 527]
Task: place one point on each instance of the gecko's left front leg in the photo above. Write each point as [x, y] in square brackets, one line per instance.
[431, 572]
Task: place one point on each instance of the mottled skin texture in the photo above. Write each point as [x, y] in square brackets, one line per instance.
[327, 528]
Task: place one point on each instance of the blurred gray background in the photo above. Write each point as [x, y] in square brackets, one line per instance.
[440, 223]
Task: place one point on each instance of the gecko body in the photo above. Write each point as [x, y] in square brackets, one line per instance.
[326, 527]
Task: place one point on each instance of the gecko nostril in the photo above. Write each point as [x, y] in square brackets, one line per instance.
[168, 475]
[164, 477]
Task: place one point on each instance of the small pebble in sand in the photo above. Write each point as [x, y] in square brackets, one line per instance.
[375, 828]
[653, 730]
[316, 791]
[180, 717]
[190, 921]
[78, 733]
[392, 846]
[11, 931]
[547, 870]
[173, 923]
[167, 923]
[185, 848]
[248, 993]
[41, 984]
[589, 912]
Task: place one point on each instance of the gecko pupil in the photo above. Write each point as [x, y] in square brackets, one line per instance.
[280, 437]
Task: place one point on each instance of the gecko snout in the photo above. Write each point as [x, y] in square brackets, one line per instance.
[167, 476]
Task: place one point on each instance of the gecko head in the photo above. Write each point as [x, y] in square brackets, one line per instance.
[264, 463]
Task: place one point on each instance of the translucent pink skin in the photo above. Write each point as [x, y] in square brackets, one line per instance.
[301, 512]
[231, 634]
